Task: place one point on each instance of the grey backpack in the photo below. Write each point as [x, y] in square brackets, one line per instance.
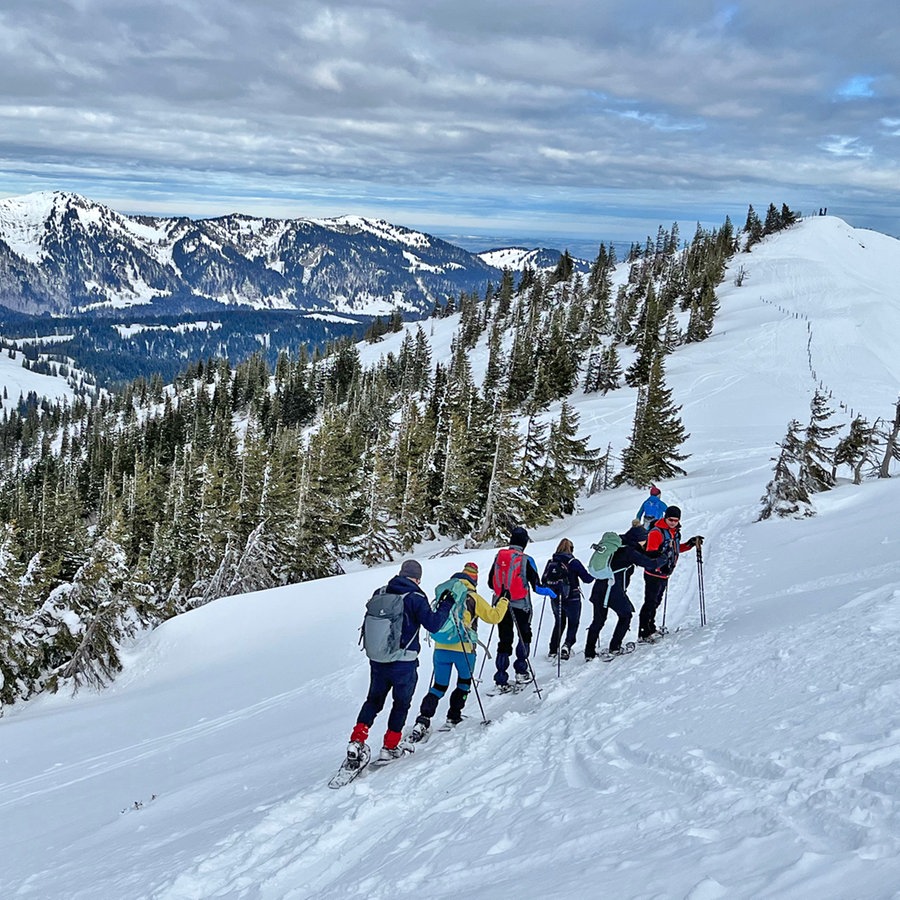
[382, 627]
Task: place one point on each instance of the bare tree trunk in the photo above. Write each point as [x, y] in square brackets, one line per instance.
[892, 451]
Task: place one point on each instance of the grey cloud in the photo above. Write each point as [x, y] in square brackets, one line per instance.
[747, 102]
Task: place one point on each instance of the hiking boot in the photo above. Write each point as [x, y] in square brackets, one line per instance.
[419, 733]
[524, 678]
[565, 651]
[589, 656]
[358, 754]
[402, 749]
[551, 654]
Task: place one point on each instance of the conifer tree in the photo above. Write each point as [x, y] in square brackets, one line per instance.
[786, 494]
[857, 448]
[657, 434]
[753, 228]
[818, 460]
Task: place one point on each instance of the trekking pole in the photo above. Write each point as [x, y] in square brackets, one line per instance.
[527, 658]
[700, 588]
[665, 603]
[537, 635]
[559, 634]
[462, 643]
[487, 652]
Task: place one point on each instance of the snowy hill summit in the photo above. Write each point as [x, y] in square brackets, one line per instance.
[755, 757]
[61, 252]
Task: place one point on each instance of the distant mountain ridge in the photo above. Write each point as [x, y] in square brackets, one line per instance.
[62, 253]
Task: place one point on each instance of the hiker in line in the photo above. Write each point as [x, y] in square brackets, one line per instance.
[613, 593]
[563, 574]
[455, 646]
[651, 509]
[513, 575]
[663, 541]
[401, 675]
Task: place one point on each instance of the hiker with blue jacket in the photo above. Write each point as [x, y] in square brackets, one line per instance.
[564, 575]
[400, 676]
[455, 646]
[613, 595]
[651, 509]
[513, 575]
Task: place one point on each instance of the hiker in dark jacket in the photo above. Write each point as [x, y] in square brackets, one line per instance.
[566, 612]
[514, 575]
[399, 676]
[613, 595]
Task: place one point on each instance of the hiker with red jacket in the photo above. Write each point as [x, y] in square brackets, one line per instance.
[513, 575]
[664, 542]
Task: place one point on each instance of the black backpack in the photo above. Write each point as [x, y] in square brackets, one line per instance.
[556, 577]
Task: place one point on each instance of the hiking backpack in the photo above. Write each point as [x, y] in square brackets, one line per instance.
[382, 627]
[509, 579]
[668, 551]
[454, 629]
[599, 565]
[556, 577]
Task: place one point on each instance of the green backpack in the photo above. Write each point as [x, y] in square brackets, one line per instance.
[599, 565]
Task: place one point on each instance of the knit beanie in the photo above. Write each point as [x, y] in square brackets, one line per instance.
[655, 491]
[411, 569]
[673, 511]
[634, 535]
[519, 537]
[470, 570]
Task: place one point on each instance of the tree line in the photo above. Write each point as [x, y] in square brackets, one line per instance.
[120, 510]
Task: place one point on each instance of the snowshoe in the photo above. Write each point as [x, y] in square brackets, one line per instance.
[419, 734]
[564, 652]
[624, 650]
[358, 756]
[391, 754]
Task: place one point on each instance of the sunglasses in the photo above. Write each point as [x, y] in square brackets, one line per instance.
[672, 519]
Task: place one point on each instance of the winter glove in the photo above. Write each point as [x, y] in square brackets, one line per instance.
[545, 592]
[696, 541]
[635, 523]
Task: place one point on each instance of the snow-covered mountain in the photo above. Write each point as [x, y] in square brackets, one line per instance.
[519, 258]
[61, 252]
[758, 757]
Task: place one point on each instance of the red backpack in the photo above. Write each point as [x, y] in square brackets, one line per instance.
[509, 574]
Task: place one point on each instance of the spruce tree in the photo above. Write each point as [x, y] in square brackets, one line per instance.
[857, 448]
[786, 494]
[657, 434]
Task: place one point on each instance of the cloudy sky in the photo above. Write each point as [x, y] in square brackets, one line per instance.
[590, 119]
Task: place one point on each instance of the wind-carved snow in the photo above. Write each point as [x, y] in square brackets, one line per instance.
[758, 757]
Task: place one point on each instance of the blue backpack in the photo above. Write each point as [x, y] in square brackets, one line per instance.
[454, 630]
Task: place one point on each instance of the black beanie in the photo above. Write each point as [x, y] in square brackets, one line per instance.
[673, 511]
[634, 535]
[519, 537]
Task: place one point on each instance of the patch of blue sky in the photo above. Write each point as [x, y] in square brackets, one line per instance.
[857, 87]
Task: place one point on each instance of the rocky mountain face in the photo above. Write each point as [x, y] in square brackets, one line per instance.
[61, 253]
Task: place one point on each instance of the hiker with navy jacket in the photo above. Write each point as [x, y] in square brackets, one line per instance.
[567, 605]
[651, 509]
[613, 594]
[513, 575]
[664, 542]
[401, 675]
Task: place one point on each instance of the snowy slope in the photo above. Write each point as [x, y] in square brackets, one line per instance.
[756, 758]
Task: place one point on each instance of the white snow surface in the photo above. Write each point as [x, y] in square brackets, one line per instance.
[758, 757]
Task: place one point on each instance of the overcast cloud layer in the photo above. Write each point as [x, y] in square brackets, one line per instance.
[557, 117]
